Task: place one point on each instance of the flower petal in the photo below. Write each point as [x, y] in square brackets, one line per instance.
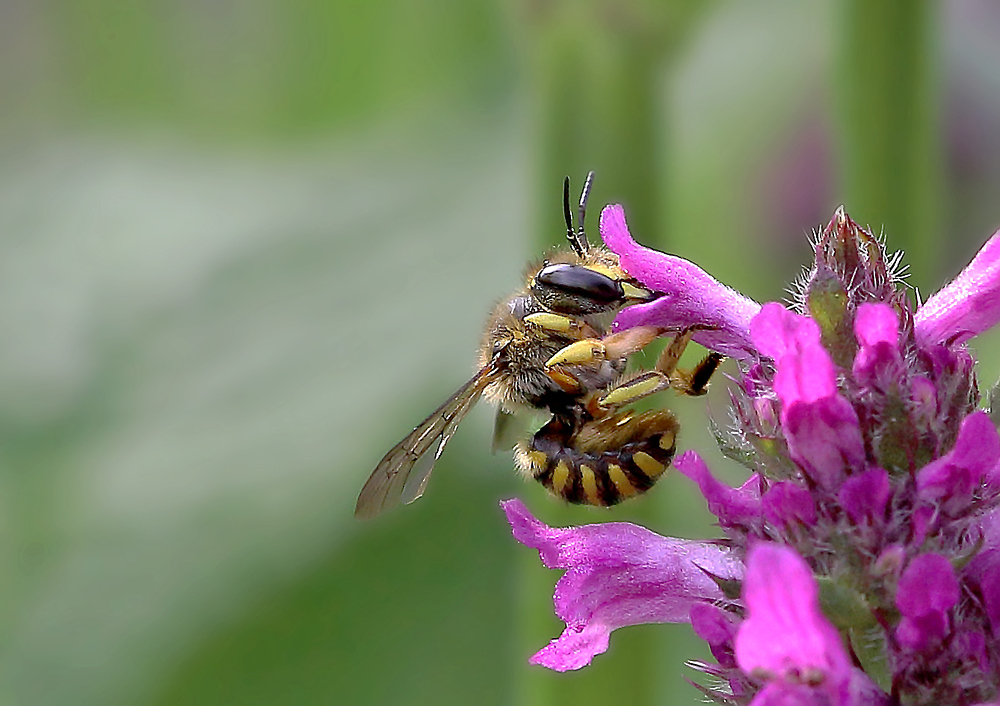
[926, 593]
[804, 370]
[861, 691]
[952, 478]
[617, 574]
[786, 637]
[864, 496]
[690, 295]
[876, 327]
[787, 504]
[967, 306]
[983, 570]
[824, 438]
[732, 506]
[821, 427]
[718, 628]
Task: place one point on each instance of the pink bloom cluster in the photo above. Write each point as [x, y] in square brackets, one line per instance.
[873, 492]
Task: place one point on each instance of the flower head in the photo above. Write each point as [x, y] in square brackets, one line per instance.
[867, 540]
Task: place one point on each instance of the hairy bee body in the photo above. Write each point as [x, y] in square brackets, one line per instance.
[546, 347]
[519, 348]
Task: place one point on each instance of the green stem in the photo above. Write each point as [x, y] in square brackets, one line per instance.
[599, 111]
[599, 103]
[887, 98]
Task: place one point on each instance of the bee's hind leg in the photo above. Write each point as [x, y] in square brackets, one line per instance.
[666, 375]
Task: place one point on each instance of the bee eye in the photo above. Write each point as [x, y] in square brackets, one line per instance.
[575, 289]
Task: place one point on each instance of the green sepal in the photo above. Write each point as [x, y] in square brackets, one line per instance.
[772, 457]
[868, 646]
[731, 588]
[826, 300]
[959, 561]
[731, 447]
[899, 447]
[843, 606]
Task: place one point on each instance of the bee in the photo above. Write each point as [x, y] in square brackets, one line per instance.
[546, 347]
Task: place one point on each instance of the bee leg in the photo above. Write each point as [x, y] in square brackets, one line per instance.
[666, 374]
[613, 347]
[694, 382]
[556, 322]
[566, 380]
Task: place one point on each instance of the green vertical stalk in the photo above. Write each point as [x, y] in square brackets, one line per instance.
[599, 109]
[887, 93]
[598, 101]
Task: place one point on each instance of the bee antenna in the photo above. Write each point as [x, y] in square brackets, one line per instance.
[581, 233]
[568, 215]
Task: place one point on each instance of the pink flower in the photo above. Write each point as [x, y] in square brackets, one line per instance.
[927, 592]
[788, 643]
[966, 307]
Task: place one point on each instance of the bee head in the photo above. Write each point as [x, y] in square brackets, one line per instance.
[576, 290]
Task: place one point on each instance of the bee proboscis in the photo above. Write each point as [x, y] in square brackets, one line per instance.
[546, 347]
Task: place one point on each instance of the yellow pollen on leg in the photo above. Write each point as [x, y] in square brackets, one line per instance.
[579, 352]
[552, 322]
[631, 391]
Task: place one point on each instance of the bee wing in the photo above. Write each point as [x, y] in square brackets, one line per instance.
[511, 427]
[504, 430]
[402, 473]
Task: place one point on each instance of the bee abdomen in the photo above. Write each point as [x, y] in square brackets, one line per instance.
[601, 477]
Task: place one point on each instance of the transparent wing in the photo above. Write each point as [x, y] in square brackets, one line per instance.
[402, 473]
[511, 427]
[504, 430]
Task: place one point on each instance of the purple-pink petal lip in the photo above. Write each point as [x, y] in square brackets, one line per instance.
[975, 455]
[805, 371]
[968, 305]
[786, 633]
[732, 506]
[690, 295]
[927, 591]
[864, 495]
[617, 574]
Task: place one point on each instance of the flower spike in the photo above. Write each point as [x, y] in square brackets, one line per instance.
[860, 563]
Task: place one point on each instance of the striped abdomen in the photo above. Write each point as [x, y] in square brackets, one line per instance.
[601, 462]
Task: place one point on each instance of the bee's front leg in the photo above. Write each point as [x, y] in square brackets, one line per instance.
[664, 375]
[617, 345]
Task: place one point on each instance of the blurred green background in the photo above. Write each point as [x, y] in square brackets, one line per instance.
[246, 246]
